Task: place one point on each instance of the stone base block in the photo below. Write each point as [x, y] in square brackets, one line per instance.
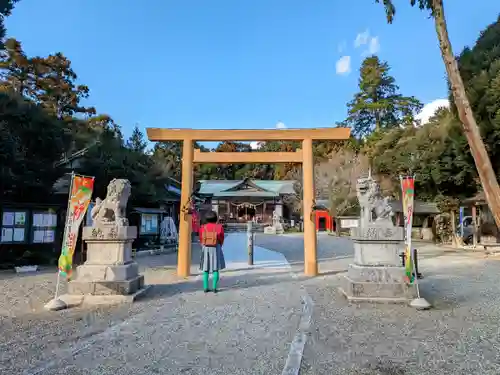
[72, 300]
[106, 288]
[96, 272]
[270, 230]
[376, 274]
[378, 253]
[357, 291]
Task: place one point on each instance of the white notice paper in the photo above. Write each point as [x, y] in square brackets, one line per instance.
[38, 236]
[38, 220]
[18, 234]
[7, 234]
[8, 218]
[49, 236]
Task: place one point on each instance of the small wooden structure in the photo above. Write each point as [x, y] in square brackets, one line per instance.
[484, 227]
[423, 217]
[322, 215]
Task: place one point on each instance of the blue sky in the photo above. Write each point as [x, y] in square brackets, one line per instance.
[239, 63]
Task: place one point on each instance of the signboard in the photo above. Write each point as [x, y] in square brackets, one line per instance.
[349, 223]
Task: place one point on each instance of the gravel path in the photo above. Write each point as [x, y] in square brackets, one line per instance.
[247, 328]
[460, 335]
[177, 329]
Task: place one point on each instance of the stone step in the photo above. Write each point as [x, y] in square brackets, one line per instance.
[377, 274]
[103, 288]
[374, 291]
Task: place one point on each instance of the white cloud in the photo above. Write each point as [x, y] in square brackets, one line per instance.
[343, 65]
[361, 39]
[255, 145]
[430, 109]
[374, 45]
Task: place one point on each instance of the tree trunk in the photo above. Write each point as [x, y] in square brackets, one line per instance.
[478, 150]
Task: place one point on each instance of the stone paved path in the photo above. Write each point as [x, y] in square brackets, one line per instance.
[236, 254]
[247, 328]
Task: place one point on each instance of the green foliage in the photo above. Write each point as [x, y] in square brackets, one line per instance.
[436, 153]
[43, 120]
[480, 69]
[390, 9]
[31, 141]
[6, 7]
[137, 142]
[378, 105]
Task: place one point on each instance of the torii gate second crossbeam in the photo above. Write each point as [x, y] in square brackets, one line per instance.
[304, 156]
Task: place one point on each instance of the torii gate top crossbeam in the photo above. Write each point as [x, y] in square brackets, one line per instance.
[159, 134]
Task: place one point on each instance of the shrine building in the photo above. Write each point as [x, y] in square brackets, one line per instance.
[239, 201]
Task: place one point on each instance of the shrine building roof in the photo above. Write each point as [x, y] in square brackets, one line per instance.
[246, 188]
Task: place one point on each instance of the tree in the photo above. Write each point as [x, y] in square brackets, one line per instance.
[336, 180]
[6, 7]
[378, 104]
[480, 69]
[465, 114]
[434, 152]
[136, 142]
[56, 88]
[16, 70]
[230, 171]
[30, 143]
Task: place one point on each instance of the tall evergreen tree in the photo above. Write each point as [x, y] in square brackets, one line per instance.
[136, 142]
[378, 104]
[6, 7]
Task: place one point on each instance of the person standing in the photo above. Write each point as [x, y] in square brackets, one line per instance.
[211, 235]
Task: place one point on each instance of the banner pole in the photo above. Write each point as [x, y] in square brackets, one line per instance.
[419, 303]
[56, 303]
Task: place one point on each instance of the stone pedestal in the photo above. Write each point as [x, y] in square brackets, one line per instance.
[274, 229]
[377, 274]
[109, 275]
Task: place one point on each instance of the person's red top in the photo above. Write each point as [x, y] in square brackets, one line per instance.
[213, 227]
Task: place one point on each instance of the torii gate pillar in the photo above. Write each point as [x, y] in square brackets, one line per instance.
[310, 239]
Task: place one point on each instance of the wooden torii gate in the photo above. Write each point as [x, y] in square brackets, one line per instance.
[303, 156]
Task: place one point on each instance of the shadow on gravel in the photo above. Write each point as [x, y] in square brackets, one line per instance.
[227, 283]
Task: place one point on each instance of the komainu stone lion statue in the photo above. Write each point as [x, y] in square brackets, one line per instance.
[372, 202]
[112, 210]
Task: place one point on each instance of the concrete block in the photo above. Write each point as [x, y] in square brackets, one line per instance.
[109, 252]
[109, 233]
[376, 274]
[378, 292]
[92, 300]
[374, 232]
[378, 253]
[97, 272]
[106, 288]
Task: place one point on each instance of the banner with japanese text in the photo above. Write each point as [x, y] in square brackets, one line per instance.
[408, 197]
[79, 199]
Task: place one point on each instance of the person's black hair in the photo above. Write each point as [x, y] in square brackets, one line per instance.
[211, 217]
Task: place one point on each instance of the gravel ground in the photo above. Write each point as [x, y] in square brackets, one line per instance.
[177, 329]
[460, 335]
[247, 328]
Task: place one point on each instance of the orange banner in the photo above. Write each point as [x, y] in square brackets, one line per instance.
[79, 199]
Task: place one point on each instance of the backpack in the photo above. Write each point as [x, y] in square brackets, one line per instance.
[209, 238]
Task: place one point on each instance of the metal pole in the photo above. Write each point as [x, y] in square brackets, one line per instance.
[250, 243]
